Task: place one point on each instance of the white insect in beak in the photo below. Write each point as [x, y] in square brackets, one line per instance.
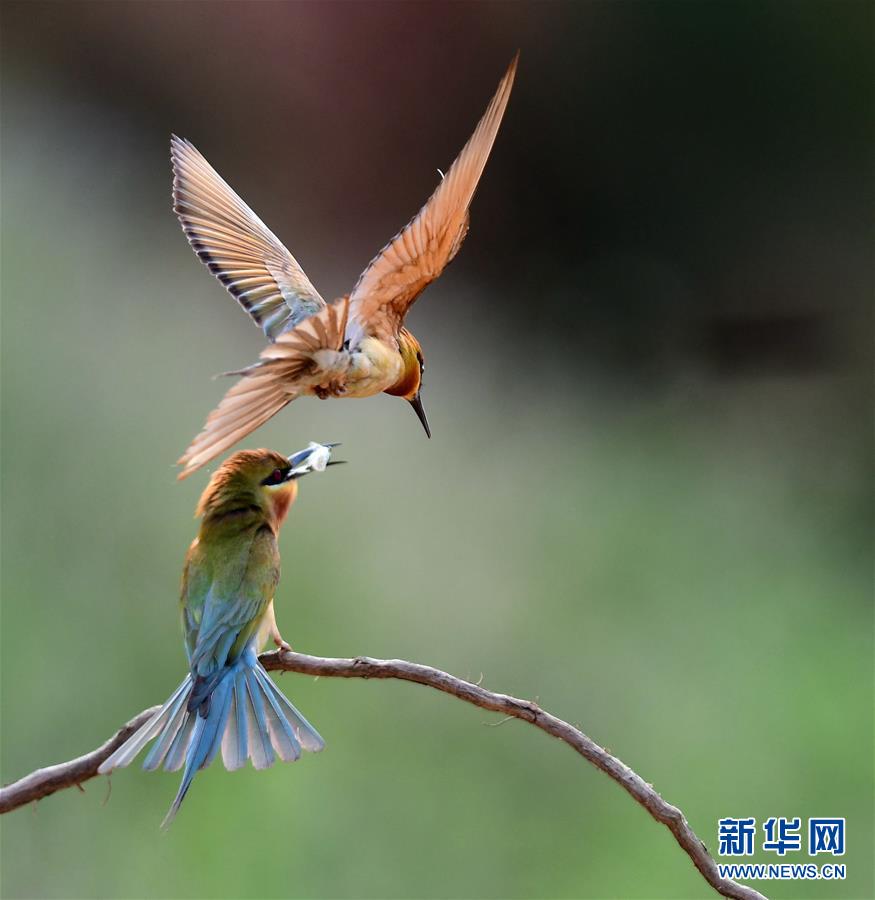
[315, 458]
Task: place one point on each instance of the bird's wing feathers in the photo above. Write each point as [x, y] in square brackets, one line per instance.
[237, 247]
[282, 375]
[420, 251]
[238, 594]
[246, 406]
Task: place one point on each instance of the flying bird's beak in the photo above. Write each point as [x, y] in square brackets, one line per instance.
[314, 458]
[416, 403]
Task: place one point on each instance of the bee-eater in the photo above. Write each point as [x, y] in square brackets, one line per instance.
[356, 346]
[231, 572]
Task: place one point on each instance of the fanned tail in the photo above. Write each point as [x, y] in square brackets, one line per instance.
[246, 716]
[160, 723]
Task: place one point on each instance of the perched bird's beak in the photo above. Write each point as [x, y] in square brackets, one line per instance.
[416, 403]
[314, 458]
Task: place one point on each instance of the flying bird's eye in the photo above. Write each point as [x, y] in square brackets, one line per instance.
[275, 477]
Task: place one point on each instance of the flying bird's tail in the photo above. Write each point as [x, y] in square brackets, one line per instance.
[287, 368]
[245, 714]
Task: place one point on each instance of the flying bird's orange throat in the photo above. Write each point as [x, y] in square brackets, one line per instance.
[411, 375]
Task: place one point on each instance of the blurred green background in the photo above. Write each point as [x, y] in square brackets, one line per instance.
[647, 503]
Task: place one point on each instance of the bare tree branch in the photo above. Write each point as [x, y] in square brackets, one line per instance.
[46, 781]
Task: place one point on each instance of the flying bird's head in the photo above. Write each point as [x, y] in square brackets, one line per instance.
[409, 385]
[259, 485]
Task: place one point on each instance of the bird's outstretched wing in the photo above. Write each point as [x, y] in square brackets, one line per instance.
[280, 377]
[237, 247]
[420, 251]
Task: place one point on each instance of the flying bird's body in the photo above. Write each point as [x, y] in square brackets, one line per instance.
[356, 346]
[228, 701]
[369, 369]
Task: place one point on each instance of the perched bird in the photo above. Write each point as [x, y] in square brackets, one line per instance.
[356, 346]
[231, 572]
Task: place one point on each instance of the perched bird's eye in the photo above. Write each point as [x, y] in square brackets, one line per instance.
[278, 476]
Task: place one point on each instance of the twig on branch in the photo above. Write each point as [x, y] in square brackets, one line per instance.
[46, 781]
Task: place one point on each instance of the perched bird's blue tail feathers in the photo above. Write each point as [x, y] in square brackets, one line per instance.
[247, 717]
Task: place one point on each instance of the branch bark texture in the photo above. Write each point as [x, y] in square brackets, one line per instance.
[47, 781]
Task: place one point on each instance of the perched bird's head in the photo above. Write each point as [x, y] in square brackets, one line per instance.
[409, 385]
[258, 484]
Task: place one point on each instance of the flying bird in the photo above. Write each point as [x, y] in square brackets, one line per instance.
[231, 571]
[356, 346]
